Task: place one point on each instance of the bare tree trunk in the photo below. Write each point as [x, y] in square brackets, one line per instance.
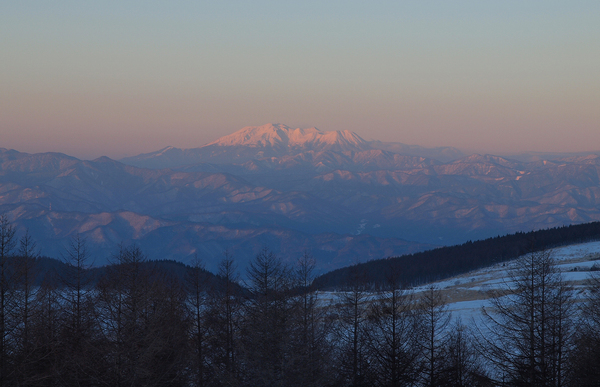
[267, 318]
[528, 346]
[25, 304]
[196, 288]
[395, 332]
[351, 330]
[7, 244]
[436, 320]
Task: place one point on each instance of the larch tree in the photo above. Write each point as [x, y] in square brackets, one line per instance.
[224, 315]
[310, 329]
[527, 324]
[196, 287]
[78, 333]
[435, 319]
[461, 366]
[395, 331]
[7, 244]
[267, 317]
[350, 330]
[584, 361]
[26, 307]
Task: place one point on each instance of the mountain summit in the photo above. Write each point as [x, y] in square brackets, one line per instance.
[281, 146]
[281, 136]
[330, 193]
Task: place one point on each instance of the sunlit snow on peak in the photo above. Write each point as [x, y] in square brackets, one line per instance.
[279, 135]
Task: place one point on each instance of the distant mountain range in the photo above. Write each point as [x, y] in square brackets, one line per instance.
[331, 193]
[279, 146]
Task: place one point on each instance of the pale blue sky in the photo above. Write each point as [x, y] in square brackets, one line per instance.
[120, 78]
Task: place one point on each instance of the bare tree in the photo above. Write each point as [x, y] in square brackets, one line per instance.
[76, 281]
[267, 321]
[223, 316]
[7, 244]
[143, 322]
[461, 366]
[78, 333]
[25, 298]
[436, 319]
[224, 322]
[395, 333]
[584, 361]
[44, 336]
[310, 363]
[527, 325]
[350, 331]
[304, 275]
[196, 288]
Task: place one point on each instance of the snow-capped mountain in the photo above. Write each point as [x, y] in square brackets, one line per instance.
[293, 189]
[283, 137]
[282, 146]
[396, 188]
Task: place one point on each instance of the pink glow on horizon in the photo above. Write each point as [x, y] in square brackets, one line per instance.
[119, 80]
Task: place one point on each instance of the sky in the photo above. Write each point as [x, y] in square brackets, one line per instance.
[119, 78]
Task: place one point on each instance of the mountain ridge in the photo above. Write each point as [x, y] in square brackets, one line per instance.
[279, 141]
[291, 197]
[282, 136]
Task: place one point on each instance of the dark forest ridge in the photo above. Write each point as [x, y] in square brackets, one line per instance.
[445, 262]
[413, 269]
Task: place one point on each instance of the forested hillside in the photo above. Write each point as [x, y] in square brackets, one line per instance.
[142, 323]
[432, 265]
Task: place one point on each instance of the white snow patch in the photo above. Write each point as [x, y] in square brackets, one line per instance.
[468, 293]
[361, 227]
[274, 135]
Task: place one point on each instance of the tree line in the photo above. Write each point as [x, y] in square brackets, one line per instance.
[448, 261]
[135, 324]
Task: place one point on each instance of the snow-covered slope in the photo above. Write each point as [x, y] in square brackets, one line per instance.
[467, 293]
